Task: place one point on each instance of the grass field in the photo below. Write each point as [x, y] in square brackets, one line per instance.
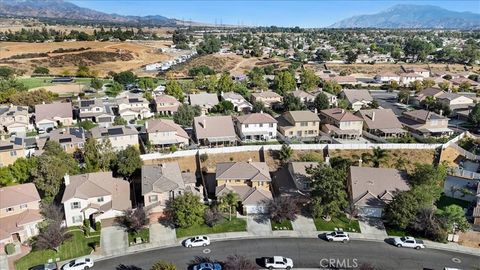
[281, 226]
[143, 233]
[341, 222]
[236, 225]
[445, 201]
[75, 247]
[36, 82]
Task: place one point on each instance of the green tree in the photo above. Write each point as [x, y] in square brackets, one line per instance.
[185, 114]
[225, 83]
[378, 156]
[474, 115]
[114, 89]
[187, 210]
[417, 49]
[203, 69]
[96, 84]
[210, 44]
[6, 72]
[200, 81]
[41, 70]
[31, 98]
[309, 80]
[224, 107]
[429, 224]
[163, 265]
[98, 155]
[284, 82]
[292, 103]
[393, 85]
[455, 218]
[228, 202]
[428, 174]
[351, 57]
[256, 78]
[119, 121]
[328, 191]
[323, 55]
[464, 87]
[86, 124]
[21, 169]
[125, 77]
[401, 210]
[321, 102]
[417, 86]
[404, 96]
[332, 87]
[83, 71]
[428, 83]
[146, 83]
[445, 86]
[285, 153]
[211, 83]
[173, 88]
[128, 161]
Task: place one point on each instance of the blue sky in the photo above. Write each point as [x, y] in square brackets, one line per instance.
[260, 13]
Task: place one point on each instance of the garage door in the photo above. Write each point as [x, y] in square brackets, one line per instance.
[255, 209]
[370, 212]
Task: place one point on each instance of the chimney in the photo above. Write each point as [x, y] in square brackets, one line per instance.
[146, 124]
[441, 112]
[316, 111]
[78, 98]
[360, 161]
[66, 179]
[261, 111]
[373, 116]
[343, 111]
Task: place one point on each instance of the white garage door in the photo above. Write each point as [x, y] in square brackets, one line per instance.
[370, 212]
[255, 209]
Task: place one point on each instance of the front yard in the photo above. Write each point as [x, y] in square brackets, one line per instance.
[236, 225]
[281, 226]
[341, 222]
[77, 246]
[144, 234]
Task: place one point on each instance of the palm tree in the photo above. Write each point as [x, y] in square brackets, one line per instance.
[229, 201]
[376, 157]
[285, 153]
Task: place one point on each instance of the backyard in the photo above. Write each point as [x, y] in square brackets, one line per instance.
[236, 225]
[340, 223]
[77, 246]
[445, 201]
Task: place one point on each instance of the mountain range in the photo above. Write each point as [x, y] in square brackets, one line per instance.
[413, 16]
[59, 9]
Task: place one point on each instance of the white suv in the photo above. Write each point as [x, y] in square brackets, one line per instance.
[338, 236]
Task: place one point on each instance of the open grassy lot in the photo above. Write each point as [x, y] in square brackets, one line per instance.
[236, 225]
[341, 222]
[75, 247]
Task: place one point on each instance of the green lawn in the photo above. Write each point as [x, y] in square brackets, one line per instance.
[75, 247]
[46, 81]
[445, 201]
[395, 232]
[278, 226]
[143, 233]
[337, 222]
[236, 225]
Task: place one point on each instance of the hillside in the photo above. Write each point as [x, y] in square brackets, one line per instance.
[414, 16]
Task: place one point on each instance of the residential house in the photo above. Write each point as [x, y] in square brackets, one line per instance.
[356, 98]
[381, 123]
[303, 96]
[476, 210]
[371, 189]
[120, 136]
[459, 81]
[250, 180]
[163, 182]
[240, 104]
[387, 77]
[205, 101]
[166, 104]
[19, 213]
[164, 133]
[14, 120]
[95, 197]
[96, 111]
[49, 116]
[268, 98]
[418, 71]
[427, 92]
[407, 78]
[455, 101]
[339, 123]
[303, 125]
[300, 176]
[71, 139]
[214, 130]
[10, 151]
[332, 99]
[131, 108]
[425, 123]
[256, 127]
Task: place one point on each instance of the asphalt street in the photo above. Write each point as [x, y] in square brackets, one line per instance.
[306, 253]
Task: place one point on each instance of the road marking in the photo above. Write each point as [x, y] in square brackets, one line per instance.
[456, 260]
[206, 251]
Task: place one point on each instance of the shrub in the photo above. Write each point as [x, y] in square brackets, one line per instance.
[212, 216]
[203, 157]
[98, 226]
[9, 248]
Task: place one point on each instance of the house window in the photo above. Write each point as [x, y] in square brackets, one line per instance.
[238, 181]
[271, 125]
[246, 125]
[100, 199]
[75, 205]
[261, 125]
[77, 219]
[153, 198]
[9, 209]
[13, 153]
[303, 124]
[23, 206]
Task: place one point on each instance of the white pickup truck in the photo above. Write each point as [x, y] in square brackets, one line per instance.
[278, 262]
[409, 242]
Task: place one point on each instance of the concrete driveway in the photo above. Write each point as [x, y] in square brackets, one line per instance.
[162, 235]
[259, 225]
[372, 228]
[304, 225]
[113, 240]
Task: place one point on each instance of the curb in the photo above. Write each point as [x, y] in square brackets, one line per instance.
[178, 244]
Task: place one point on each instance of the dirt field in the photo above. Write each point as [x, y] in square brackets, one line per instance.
[101, 56]
[450, 155]
[470, 239]
[370, 70]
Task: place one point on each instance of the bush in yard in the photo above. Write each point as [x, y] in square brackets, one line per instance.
[98, 226]
[239, 262]
[282, 209]
[9, 248]
[163, 265]
[132, 220]
[187, 210]
[212, 216]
